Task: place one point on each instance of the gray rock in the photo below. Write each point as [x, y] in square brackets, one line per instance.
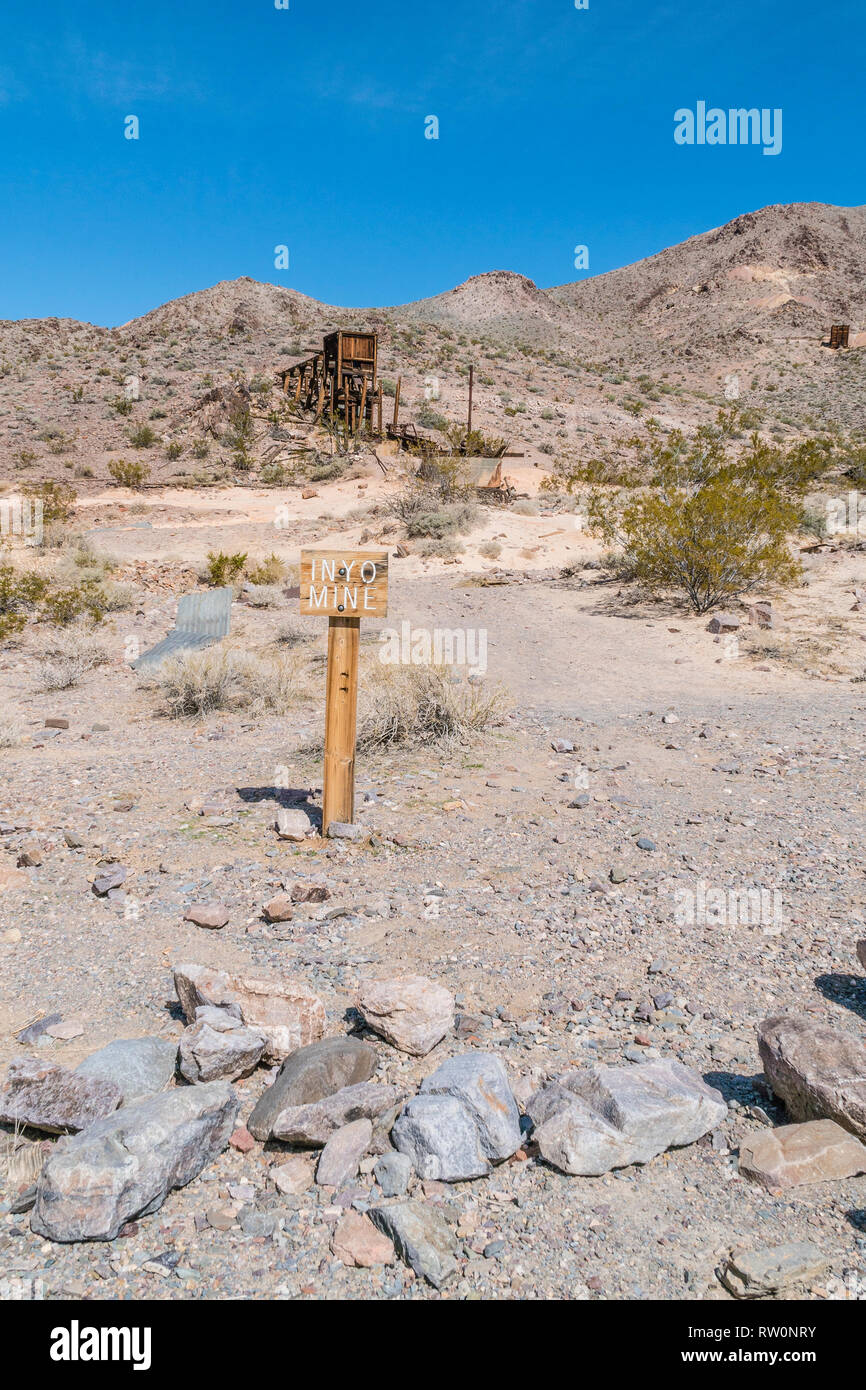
[393, 1172]
[480, 1082]
[818, 1071]
[861, 953]
[723, 622]
[218, 1047]
[421, 1239]
[343, 830]
[125, 1165]
[139, 1066]
[592, 1120]
[44, 1096]
[313, 1125]
[110, 877]
[759, 1273]
[440, 1137]
[339, 1160]
[309, 1075]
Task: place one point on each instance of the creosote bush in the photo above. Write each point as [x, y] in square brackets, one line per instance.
[223, 569]
[709, 525]
[128, 472]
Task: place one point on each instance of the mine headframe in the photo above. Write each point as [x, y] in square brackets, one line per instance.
[340, 382]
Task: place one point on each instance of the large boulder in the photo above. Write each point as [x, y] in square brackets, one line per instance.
[139, 1066]
[818, 1071]
[464, 1119]
[411, 1012]
[773, 1270]
[125, 1165]
[817, 1151]
[589, 1121]
[43, 1095]
[218, 1047]
[288, 1013]
[313, 1125]
[480, 1082]
[308, 1075]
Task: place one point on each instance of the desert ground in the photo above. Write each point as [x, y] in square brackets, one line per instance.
[534, 868]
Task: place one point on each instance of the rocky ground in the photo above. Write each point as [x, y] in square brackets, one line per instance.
[538, 875]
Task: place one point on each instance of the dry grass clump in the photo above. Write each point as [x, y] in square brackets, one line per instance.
[10, 734]
[424, 705]
[264, 596]
[227, 679]
[66, 657]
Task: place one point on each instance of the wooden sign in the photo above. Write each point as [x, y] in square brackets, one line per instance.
[342, 586]
[344, 583]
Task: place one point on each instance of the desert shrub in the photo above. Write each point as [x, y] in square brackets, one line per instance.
[430, 419]
[275, 474]
[223, 569]
[491, 550]
[710, 527]
[389, 387]
[142, 437]
[58, 499]
[444, 549]
[62, 606]
[20, 595]
[423, 705]
[10, 733]
[122, 405]
[117, 598]
[269, 571]
[855, 465]
[223, 678]
[525, 506]
[450, 519]
[239, 435]
[128, 472]
[326, 471]
[174, 450]
[264, 596]
[200, 449]
[475, 442]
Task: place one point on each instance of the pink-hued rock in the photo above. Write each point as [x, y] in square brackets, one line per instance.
[279, 909]
[44, 1096]
[817, 1151]
[818, 1071]
[343, 1152]
[289, 1014]
[212, 915]
[357, 1242]
[412, 1012]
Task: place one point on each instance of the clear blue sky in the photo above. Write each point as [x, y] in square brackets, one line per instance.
[305, 127]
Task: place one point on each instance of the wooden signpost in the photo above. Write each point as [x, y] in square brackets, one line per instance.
[343, 586]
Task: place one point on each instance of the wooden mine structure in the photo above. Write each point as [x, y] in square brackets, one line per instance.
[839, 335]
[341, 381]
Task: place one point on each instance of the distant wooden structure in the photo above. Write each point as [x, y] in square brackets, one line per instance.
[341, 381]
[490, 485]
[839, 335]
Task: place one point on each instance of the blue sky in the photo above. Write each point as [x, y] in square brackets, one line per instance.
[305, 127]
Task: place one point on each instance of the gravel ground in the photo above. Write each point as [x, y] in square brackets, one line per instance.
[549, 921]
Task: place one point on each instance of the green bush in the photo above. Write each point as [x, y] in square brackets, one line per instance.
[20, 595]
[128, 473]
[142, 437]
[222, 569]
[709, 526]
[58, 499]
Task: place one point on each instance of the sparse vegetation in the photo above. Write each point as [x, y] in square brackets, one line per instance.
[423, 705]
[128, 472]
[224, 569]
[222, 678]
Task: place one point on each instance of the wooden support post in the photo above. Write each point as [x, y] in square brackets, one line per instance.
[397, 400]
[469, 422]
[363, 403]
[341, 718]
[379, 408]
